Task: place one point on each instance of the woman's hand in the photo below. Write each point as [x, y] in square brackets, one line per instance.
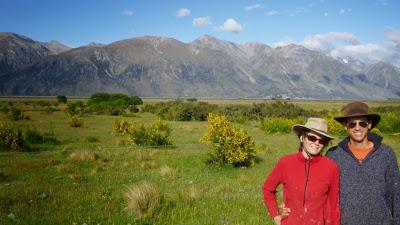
[277, 220]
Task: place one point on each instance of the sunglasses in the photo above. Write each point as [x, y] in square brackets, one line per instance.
[362, 124]
[322, 141]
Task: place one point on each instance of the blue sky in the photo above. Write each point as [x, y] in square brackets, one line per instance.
[337, 27]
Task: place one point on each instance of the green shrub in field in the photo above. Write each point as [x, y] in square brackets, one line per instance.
[34, 137]
[74, 121]
[389, 123]
[143, 201]
[113, 104]
[75, 108]
[230, 145]
[11, 140]
[279, 125]
[61, 99]
[155, 134]
[17, 114]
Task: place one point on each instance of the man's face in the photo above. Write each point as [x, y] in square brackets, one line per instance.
[357, 128]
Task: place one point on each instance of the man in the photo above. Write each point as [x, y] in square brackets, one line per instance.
[369, 174]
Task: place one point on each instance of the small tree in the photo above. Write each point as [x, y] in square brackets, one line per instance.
[62, 99]
[230, 145]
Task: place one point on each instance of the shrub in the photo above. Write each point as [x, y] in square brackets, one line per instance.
[17, 114]
[11, 140]
[62, 99]
[74, 121]
[156, 134]
[34, 137]
[389, 123]
[278, 125]
[75, 108]
[230, 145]
[122, 126]
[143, 201]
[334, 127]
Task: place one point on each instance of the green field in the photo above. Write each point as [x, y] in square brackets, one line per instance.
[84, 179]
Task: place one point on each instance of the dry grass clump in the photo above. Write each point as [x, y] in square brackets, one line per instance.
[84, 156]
[144, 201]
[167, 171]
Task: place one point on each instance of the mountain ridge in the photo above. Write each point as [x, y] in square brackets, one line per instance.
[153, 66]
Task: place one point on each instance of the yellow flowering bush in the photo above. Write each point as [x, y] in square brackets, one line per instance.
[230, 145]
[122, 126]
[11, 140]
[155, 134]
[334, 127]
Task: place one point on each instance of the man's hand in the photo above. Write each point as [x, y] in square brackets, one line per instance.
[283, 211]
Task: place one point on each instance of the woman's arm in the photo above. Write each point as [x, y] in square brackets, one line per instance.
[269, 192]
[332, 207]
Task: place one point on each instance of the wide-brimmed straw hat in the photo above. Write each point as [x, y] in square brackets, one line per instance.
[317, 125]
[357, 109]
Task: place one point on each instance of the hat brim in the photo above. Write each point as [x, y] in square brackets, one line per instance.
[375, 118]
[299, 129]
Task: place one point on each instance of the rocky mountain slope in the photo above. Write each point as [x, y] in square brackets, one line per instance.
[207, 67]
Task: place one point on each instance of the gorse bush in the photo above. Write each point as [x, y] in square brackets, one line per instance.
[389, 123]
[11, 140]
[122, 126]
[278, 125]
[230, 145]
[334, 127]
[35, 137]
[155, 134]
[74, 121]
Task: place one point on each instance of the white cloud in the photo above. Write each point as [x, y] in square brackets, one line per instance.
[343, 45]
[284, 42]
[253, 7]
[127, 12]
[329, 41]
[231, 25]
[182, 12]
[202, 21]
[271, 13]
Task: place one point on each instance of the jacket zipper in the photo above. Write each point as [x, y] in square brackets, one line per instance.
[307, 171]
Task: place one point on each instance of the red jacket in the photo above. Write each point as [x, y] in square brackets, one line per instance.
[310, 190]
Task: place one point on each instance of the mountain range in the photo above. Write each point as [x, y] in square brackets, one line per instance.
[150, 66]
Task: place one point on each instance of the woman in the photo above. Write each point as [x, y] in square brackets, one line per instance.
[310, 181]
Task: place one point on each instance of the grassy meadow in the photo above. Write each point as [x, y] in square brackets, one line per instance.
[85, 178]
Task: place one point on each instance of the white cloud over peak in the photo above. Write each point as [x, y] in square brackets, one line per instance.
[253, 7]
[202, 21]
[329, 41]
[232, 26]
[343, 45]
[182, 12]
[127, 12]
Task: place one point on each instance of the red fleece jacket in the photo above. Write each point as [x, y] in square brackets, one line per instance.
[310, 190]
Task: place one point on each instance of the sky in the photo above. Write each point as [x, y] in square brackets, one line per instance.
[368, 30]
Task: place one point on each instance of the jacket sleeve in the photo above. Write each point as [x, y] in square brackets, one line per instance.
[393, 188]
[269, 189]
[332, 208]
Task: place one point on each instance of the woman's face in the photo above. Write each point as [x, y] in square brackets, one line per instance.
[313, 142]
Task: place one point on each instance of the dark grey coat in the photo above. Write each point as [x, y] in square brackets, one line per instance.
[369, 191]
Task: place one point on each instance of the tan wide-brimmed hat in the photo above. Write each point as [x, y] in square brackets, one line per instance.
[356, 109]
[317, 125]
